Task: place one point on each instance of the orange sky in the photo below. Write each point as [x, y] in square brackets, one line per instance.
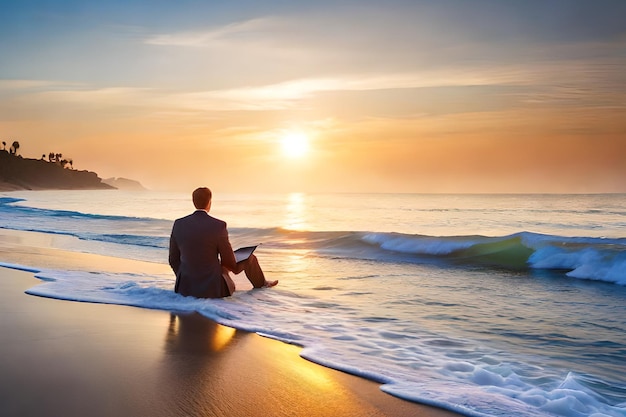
[421, 97]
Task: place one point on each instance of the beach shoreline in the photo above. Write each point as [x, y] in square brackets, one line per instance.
[68, 358]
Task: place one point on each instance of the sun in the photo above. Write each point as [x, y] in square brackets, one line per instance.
[295, 144]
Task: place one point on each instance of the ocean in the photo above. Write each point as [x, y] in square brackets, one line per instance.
[487, 305]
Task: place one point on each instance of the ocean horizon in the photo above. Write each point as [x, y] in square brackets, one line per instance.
[483, 304]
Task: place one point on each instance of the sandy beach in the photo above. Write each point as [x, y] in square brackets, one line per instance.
[62, 358]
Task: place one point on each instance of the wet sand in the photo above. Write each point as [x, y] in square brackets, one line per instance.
[63, 358]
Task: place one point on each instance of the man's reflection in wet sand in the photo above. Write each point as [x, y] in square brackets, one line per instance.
[196, 364]
[213, 370]
[193, 333]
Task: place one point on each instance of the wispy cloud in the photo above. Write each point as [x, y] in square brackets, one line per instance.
[209, 37]
[288, 94]
[276, 96]
[113, 96]
[540, 84]
[9, 84]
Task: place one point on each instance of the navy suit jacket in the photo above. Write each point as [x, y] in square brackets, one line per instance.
[199, 246]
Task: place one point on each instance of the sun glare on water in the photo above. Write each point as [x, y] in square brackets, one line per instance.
[295, 144]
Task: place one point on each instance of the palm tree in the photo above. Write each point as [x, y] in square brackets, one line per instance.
[4, 145]
[14, 148]
[50, 156]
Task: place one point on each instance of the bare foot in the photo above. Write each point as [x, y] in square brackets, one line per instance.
[269, 284]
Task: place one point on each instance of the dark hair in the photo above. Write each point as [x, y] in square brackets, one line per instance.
[201, 197]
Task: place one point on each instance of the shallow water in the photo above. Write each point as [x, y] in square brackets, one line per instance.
[486, 305]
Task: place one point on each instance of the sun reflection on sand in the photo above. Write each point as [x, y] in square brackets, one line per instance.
[312, 375]
[223, 335]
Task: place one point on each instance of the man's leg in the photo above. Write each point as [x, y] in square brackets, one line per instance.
[254, 273]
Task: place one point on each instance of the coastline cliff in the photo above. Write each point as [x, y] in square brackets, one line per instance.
[17, 173]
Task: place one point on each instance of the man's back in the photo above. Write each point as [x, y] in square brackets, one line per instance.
[195, 244]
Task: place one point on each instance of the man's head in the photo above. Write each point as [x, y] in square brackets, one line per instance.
[201, 198]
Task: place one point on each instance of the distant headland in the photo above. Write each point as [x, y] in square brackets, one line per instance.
[124, 184]
[55, 173]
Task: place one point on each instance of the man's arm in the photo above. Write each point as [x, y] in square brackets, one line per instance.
[227, 257]
[174, 254]
[174, 260]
